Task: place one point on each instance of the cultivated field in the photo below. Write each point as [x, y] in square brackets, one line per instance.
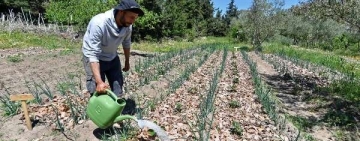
[207, 92]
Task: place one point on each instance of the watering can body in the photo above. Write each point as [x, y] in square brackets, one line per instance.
[104, 109]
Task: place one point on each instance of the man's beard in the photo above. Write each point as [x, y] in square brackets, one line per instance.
[123, 22]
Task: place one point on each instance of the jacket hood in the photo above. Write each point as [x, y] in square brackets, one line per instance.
[111, 23]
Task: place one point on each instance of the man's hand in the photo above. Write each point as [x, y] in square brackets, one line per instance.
[127, 57]
[127, 66]
[101, 87]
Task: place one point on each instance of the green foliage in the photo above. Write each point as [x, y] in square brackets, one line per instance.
[331, 61]
[34, 7]
[236, 128]
[172, 19]
[300, 122]
[340, 118]
[262, 21]
[9, 107]
[24, 40]
[234, 104]
[15, 58]
[231, 12]
[148, 24]
[283, 40]
[217, 25]
[340, 11]
[77, 12]
[350, 90]
[237, 32]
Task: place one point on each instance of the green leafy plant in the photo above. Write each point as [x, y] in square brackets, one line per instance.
[178, 107]
[235, 80]
[234, 104]
[236, 128]
[11, 108]
[15, 58]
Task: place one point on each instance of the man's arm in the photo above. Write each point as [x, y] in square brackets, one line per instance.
[91, 50]
[126, 47]
[95, 67]
[127, 54]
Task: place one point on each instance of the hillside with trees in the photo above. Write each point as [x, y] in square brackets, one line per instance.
[329, 25]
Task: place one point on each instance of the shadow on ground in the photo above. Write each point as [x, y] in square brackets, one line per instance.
[302, 94]
[102, 134]
[129, 109]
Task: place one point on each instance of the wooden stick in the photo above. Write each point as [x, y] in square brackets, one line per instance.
[23, 98]
[27, 119]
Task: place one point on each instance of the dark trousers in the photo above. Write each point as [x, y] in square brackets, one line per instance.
[110, 69]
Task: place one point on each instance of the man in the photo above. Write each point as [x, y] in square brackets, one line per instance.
[105, 33]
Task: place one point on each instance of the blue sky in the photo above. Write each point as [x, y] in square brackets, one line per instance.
[245, 4]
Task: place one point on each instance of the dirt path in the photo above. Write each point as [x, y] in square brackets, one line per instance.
[236, 104]
[293, 88]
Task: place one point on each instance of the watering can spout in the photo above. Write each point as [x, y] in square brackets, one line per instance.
[123, 117]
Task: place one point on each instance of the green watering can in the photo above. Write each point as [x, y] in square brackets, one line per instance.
[105, 109]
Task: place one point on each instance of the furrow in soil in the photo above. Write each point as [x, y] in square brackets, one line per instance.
[178, 109]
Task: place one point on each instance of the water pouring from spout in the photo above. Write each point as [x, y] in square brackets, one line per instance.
[159, 131]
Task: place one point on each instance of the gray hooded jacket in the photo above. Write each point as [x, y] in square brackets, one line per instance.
[102, 37]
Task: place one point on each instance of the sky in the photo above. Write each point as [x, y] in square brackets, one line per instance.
[245, 4]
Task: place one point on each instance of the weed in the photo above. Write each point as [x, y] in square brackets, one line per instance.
[152, 105]
[235, 80]
[236, 128]
[193, 90]
[234, 104]
[340, 118]
[15, 58]
[301, 123]
[178, 107]
[232, 88]
[308, 137]
[11, 108]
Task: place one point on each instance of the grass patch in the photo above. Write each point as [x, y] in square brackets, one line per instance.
[24, 40]
[174, 45]
[301, 123]
[18, 39]
[350, 90]
[341, 118]
[335, 62]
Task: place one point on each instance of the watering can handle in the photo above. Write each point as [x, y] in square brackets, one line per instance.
[109, 92]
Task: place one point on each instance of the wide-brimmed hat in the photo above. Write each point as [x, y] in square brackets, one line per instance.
[130, 5]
